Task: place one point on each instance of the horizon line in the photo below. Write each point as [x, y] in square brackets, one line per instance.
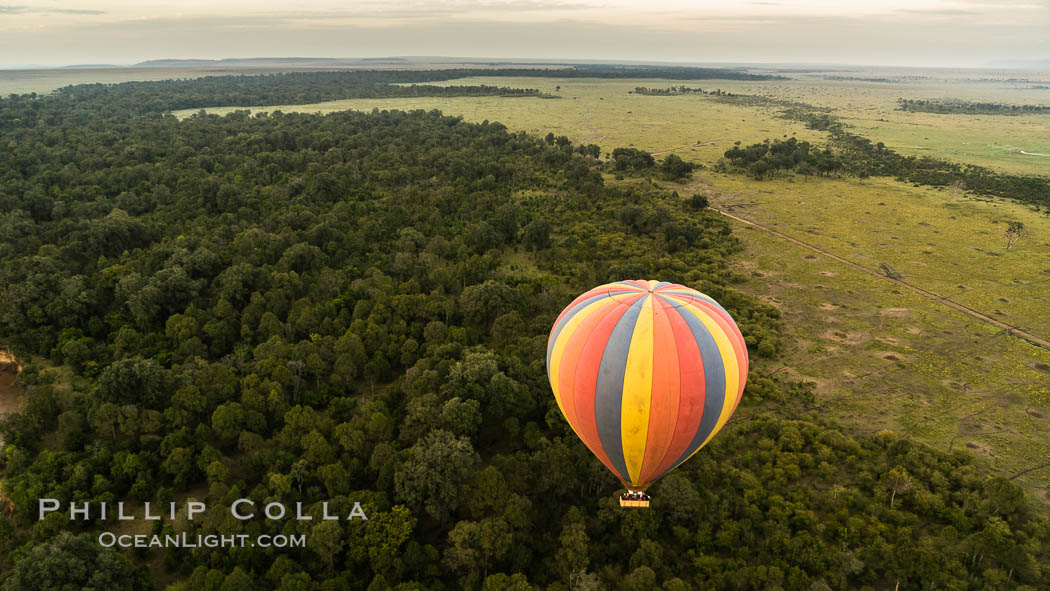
[1008, 64]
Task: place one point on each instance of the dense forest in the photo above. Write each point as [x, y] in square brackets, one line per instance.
[354, 308]
[138, 98]
[665, 72]
[142, 98]
[959, 107]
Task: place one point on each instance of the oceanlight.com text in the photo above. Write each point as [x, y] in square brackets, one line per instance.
[184, 540]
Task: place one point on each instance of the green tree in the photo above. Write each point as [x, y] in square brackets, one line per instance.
[482, 303]
[384, 534]
[674, 168]
[1014, 232]
[573, 556]
[476, 547]
[72, 563]
[537, 235]
[640, 579]
[326, 539]
[238, 580]
[503, 582]
[897, 481]
[433, 473]
[135, 381]
[461, 417]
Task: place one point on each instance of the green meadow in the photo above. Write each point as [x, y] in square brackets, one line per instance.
[597, 111]
[882, 357]
[938, 239]
[879, 357]
[870, 108]
[602, 112]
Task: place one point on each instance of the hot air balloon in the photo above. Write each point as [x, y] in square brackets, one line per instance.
[646, 373]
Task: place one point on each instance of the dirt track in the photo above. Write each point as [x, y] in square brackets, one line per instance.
[684, 147]
[1031, 338]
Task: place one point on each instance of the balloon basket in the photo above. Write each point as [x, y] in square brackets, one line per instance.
[638, 502]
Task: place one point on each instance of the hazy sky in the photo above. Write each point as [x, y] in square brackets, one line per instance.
[890, 32]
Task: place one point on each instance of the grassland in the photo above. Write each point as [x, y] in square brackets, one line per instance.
[884, 357]
[870, 107]
[880, 356]
[602, 112]
[940, 240]
[995, 141]
[597, 111]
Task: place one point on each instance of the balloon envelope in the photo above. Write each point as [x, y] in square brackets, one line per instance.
[646, 373]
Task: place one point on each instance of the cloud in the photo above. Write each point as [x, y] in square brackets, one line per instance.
[1005, 3]
[547, 29]
[42, 10]
[383, 10]
[938, 12]
[785, 19]
[998, 6]
[528, 5]
[372, 13]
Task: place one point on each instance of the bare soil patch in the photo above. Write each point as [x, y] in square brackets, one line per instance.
[978, 448]
[772, 301]
[848, 338]
[10, 394]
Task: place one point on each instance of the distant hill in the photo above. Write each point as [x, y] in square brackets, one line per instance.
[589, 69]
[264, 62]
[89, 66]
[169, 63]
[1022, 64]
